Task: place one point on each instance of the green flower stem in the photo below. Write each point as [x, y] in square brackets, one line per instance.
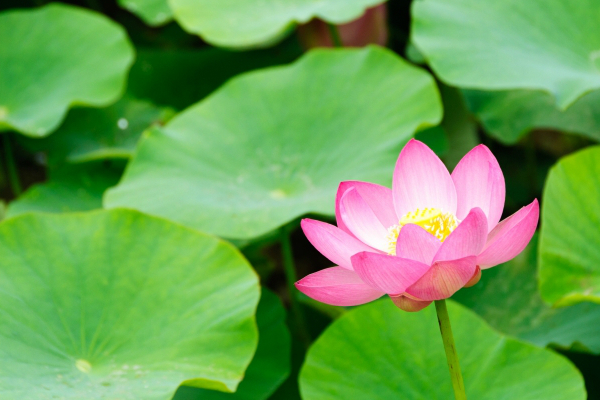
[335, 35]
[451, 356]
[11, 167]
[290, 277]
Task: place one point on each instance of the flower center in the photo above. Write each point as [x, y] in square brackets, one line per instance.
[433, 220]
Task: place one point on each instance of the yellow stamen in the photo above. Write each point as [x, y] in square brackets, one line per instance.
[433, 220]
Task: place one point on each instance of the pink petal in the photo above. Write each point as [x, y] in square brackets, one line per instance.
[421, 181]
[444, 279]
[467, 239]
[479, 183]
[337, 286]
[409, 304]
[378, 197]
[389, 273]
[475, 279]
[510, 236]
[415, 243]
[335, 244]
[361, 220]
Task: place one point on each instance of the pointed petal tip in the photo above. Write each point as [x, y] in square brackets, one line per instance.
[337, 286]
[421, 180]
[331, 241]
[510, 236]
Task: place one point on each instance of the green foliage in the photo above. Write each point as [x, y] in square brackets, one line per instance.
[69, 188]
[377, 352]
[273, 145]
[248, 23]
[219, 116]
[152, 12]
[507, 298]
[512, 44]
[509, 115]
[569, 254]
[46, 61]
[90, 134]
[116, 304]
[187, 76]
[271, 362]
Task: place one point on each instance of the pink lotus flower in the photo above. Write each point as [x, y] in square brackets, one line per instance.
[424, 239]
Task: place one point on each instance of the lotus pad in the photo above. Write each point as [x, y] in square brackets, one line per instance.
[120, 305]
[272, 145]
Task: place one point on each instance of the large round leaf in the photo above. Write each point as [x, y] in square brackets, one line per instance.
[510, 114]
[90, 134]
[54, 57]
[69, 188]
[379, 352]
[511, 44]
[570, 236]
[245, 23]
[507, 297]
[152, 12]
[271, 362]
[120, 305]
[273, 145]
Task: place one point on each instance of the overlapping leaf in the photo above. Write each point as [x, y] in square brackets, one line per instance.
[570, 238]
[271, 362]
[54, 57]
[377, 351]
[273, 145]
[98, 134]
[69, 188]
[152, 12]
[120, 305]
[509, 115]
[246, 23]
[512, 44]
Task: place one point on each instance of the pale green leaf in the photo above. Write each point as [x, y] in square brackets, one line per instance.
[377, 351]
[120, 305]
[512, 44]
[570, 235]
[509, 115]
[54, 57]
[273, 145]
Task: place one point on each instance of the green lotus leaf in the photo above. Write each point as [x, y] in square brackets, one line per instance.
[54, 57]
[69, 188]
[91, 134]
[570, 238]
[152, 12]
[378, 352]
[507, 298]
[510, 114]
[271, 362]
[512, 44]
[247, 23]
[178, 71]
[273, 145]
[120, 305]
